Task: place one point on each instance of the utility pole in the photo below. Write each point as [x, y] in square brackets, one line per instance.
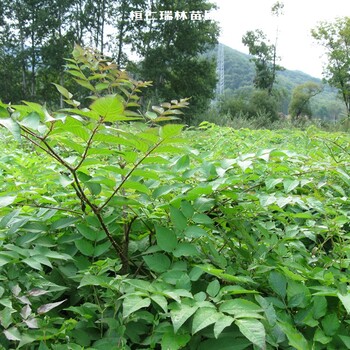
[220, 71]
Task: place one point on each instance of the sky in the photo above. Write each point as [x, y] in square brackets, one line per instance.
[296, 47]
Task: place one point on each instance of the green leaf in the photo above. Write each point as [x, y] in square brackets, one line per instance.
[289, 185]
[83, 83]
[185, 249]
[36, 107]
[298, 294]
[240, 308]
[187, 209]
[33, 263]
[43, 309]
[4, 259]
[172, 341]
[109, 107]
[253, 330]
[89, 233]
[195, 232]
[3, 110]
[330, 324]
[65, 180]
[12, 127]
[133, 303]
[225, 343]
[102, 86]
[177, 218]
[271, 183]
[157, 262]
[204, 317]
[63, 223]
[321, 337]
[244, 165]
[161, 301]
[6, 200]
[6, 317]
[102, 248]
[84, 246]
[278, 283]
[94, 188]
[12, 334]
[31, 121]
[295, 338]
[136, 185]
[345, 339]
[181, 315]
[213, 288]
[266, 200]
[345, 299]
[222, 322]
[166, 239]
[319, 308]
[225, 276]
[170, 130]
[202, 219]
[63, 91]
[90, 280]
[83, 112]
[151, 115]
[182, 164]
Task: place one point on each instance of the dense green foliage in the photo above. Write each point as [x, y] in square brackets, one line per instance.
[117, 234]
[264, 54]
[171, 52]
[335, 37]
[250, 103]
[36, 36]
[239, 80]
[300, 103]
[264, 57]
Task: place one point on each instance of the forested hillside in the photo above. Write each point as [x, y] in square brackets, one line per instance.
[240, 72]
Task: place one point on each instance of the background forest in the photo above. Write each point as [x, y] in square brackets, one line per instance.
[178, 55]
[36, 36]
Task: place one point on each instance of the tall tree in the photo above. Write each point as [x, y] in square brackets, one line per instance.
[10, 63]
[171, 48]
[62, 34]
[335, 38]
[301, 96]
[124, 30]
[264, 53]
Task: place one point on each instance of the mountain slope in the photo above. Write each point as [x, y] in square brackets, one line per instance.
[240, 72]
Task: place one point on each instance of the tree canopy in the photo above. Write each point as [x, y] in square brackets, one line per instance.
[335, 38]
[301, 96]
[36, 36]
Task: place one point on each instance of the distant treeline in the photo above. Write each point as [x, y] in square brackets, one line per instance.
[37, 35]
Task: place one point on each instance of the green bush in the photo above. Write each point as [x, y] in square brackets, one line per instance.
[250, 104]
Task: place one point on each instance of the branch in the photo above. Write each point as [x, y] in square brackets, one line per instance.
[47, 150]
[129, 174]
[49, 207]
[89, 142]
